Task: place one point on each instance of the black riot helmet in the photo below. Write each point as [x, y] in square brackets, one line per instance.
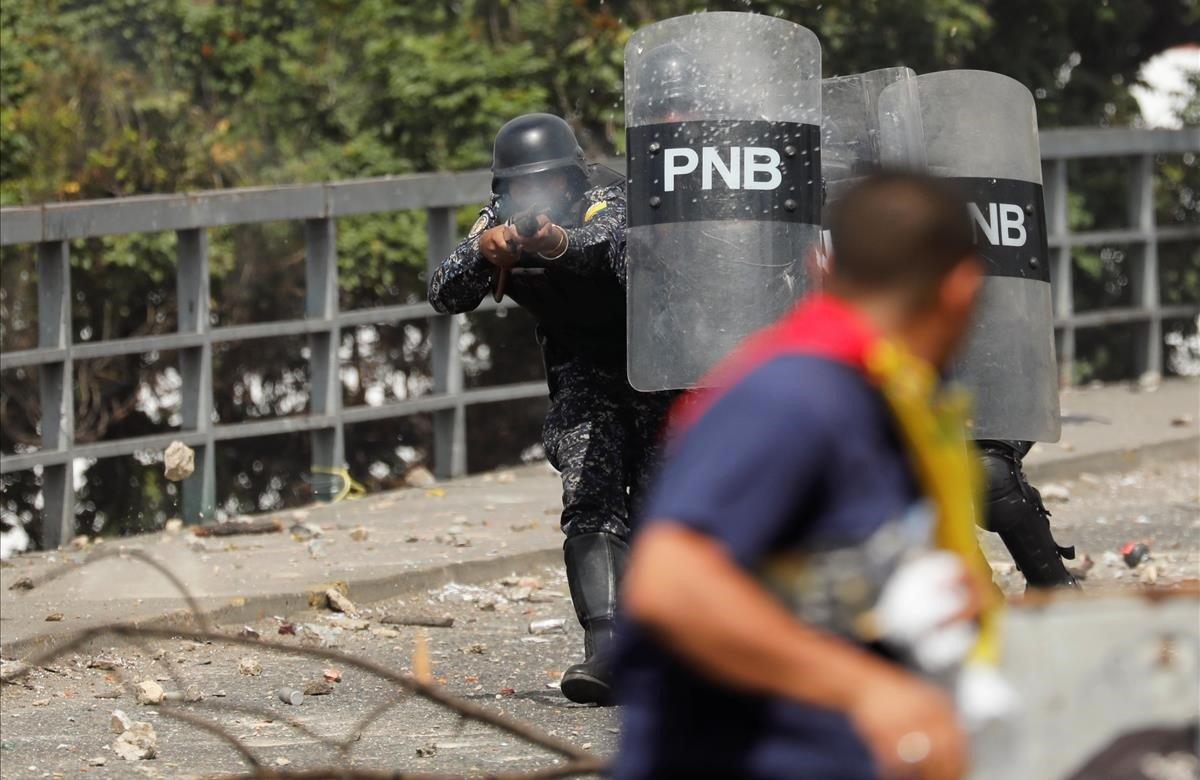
[534, 143]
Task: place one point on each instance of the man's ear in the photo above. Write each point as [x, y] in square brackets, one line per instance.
[960, 287]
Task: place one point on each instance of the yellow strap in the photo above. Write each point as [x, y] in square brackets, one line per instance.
[594, 209]
[350, 489]
[933, 426]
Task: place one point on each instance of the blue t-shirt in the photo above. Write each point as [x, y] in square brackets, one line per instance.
[799, 455]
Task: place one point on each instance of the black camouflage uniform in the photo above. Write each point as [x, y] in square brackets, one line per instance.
[600, 433]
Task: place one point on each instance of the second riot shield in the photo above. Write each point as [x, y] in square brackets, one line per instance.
[981, 131]
[722, 114]
[871, 121]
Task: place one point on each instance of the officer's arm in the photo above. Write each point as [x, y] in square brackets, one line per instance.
[598, 245]
[462, 280]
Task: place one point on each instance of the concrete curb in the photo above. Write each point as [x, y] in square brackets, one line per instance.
[252, 608]
[1114, 460]
[369, 590]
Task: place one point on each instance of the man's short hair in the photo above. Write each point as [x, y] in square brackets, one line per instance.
[899, 231]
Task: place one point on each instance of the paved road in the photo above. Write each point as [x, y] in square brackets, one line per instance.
[487, 656]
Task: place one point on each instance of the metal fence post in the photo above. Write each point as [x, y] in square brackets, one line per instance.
[321, 303]
[1143, 271]
[57, 386]
[449, 425]
[1061, 269]
[195, 369]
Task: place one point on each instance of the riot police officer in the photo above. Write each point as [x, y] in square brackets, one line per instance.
[568, 271]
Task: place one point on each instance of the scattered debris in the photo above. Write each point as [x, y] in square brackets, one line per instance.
[250, 666]
[290, 696]
[1055, 493]
[173, 526]
[417, 619]
[325, 636]
[190, 694]
[508, 691]
[97, 761]
[360, 534]
[109, 693]
[272, 525]
[23, 583]
[548, 626]
[249, 633]
[318, 688]
[1182, 421]
[419, 476]
[477, 648]
[136, 743]
[1134, 553]
[120, 722]
[149, 692]
[179, 461]
[384, 633]
[1079, 568]
[287, 628]
[80, 542]
[427, 751]
[1148, 574]
[281, 761]
[54, 617]
[332, 675]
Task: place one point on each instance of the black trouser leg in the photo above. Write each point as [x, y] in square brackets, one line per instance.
[1015, 511]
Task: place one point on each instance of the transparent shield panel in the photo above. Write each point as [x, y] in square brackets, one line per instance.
[699, 285]
[979, 124]
[1008, 362]
[981, 128]
[870, 120]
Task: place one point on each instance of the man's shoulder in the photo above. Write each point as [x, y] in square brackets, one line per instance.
[801, 387]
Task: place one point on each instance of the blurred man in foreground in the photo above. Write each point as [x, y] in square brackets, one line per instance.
[794, 528]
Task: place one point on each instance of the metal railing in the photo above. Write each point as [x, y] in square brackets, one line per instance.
[52, 226]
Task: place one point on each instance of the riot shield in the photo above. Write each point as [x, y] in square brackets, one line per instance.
[981, 131]
[870, 121]
[722, 112]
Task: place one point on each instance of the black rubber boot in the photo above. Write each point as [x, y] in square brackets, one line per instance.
[594, 565]
[1015, 511]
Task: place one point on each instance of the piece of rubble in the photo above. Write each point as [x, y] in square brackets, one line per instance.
[287, 628]
[149, 692]
[179, 461]
[80, 542]
[318, 594]
[332, 675]
[120, 722]
[1134, 553]
[1182, 421]
[107, 693]
[249, 666]
[290, 696]
[271, 525]
[318, 688]
[249, 633]
[325, 636]
[419, 476]
[1079, 568]
[303, 532]
[384, 633]
[548, 626]
[137, 743]
[22, 583]
[106, 663]
[1053, 492]
[1148, 574]
[339, 602]
[281, 761]
[97, 761]
[417, 619]
[477, 648]
[360, 533]
[54, 617]
[173, 526]
[427, 750]
[348, 623]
